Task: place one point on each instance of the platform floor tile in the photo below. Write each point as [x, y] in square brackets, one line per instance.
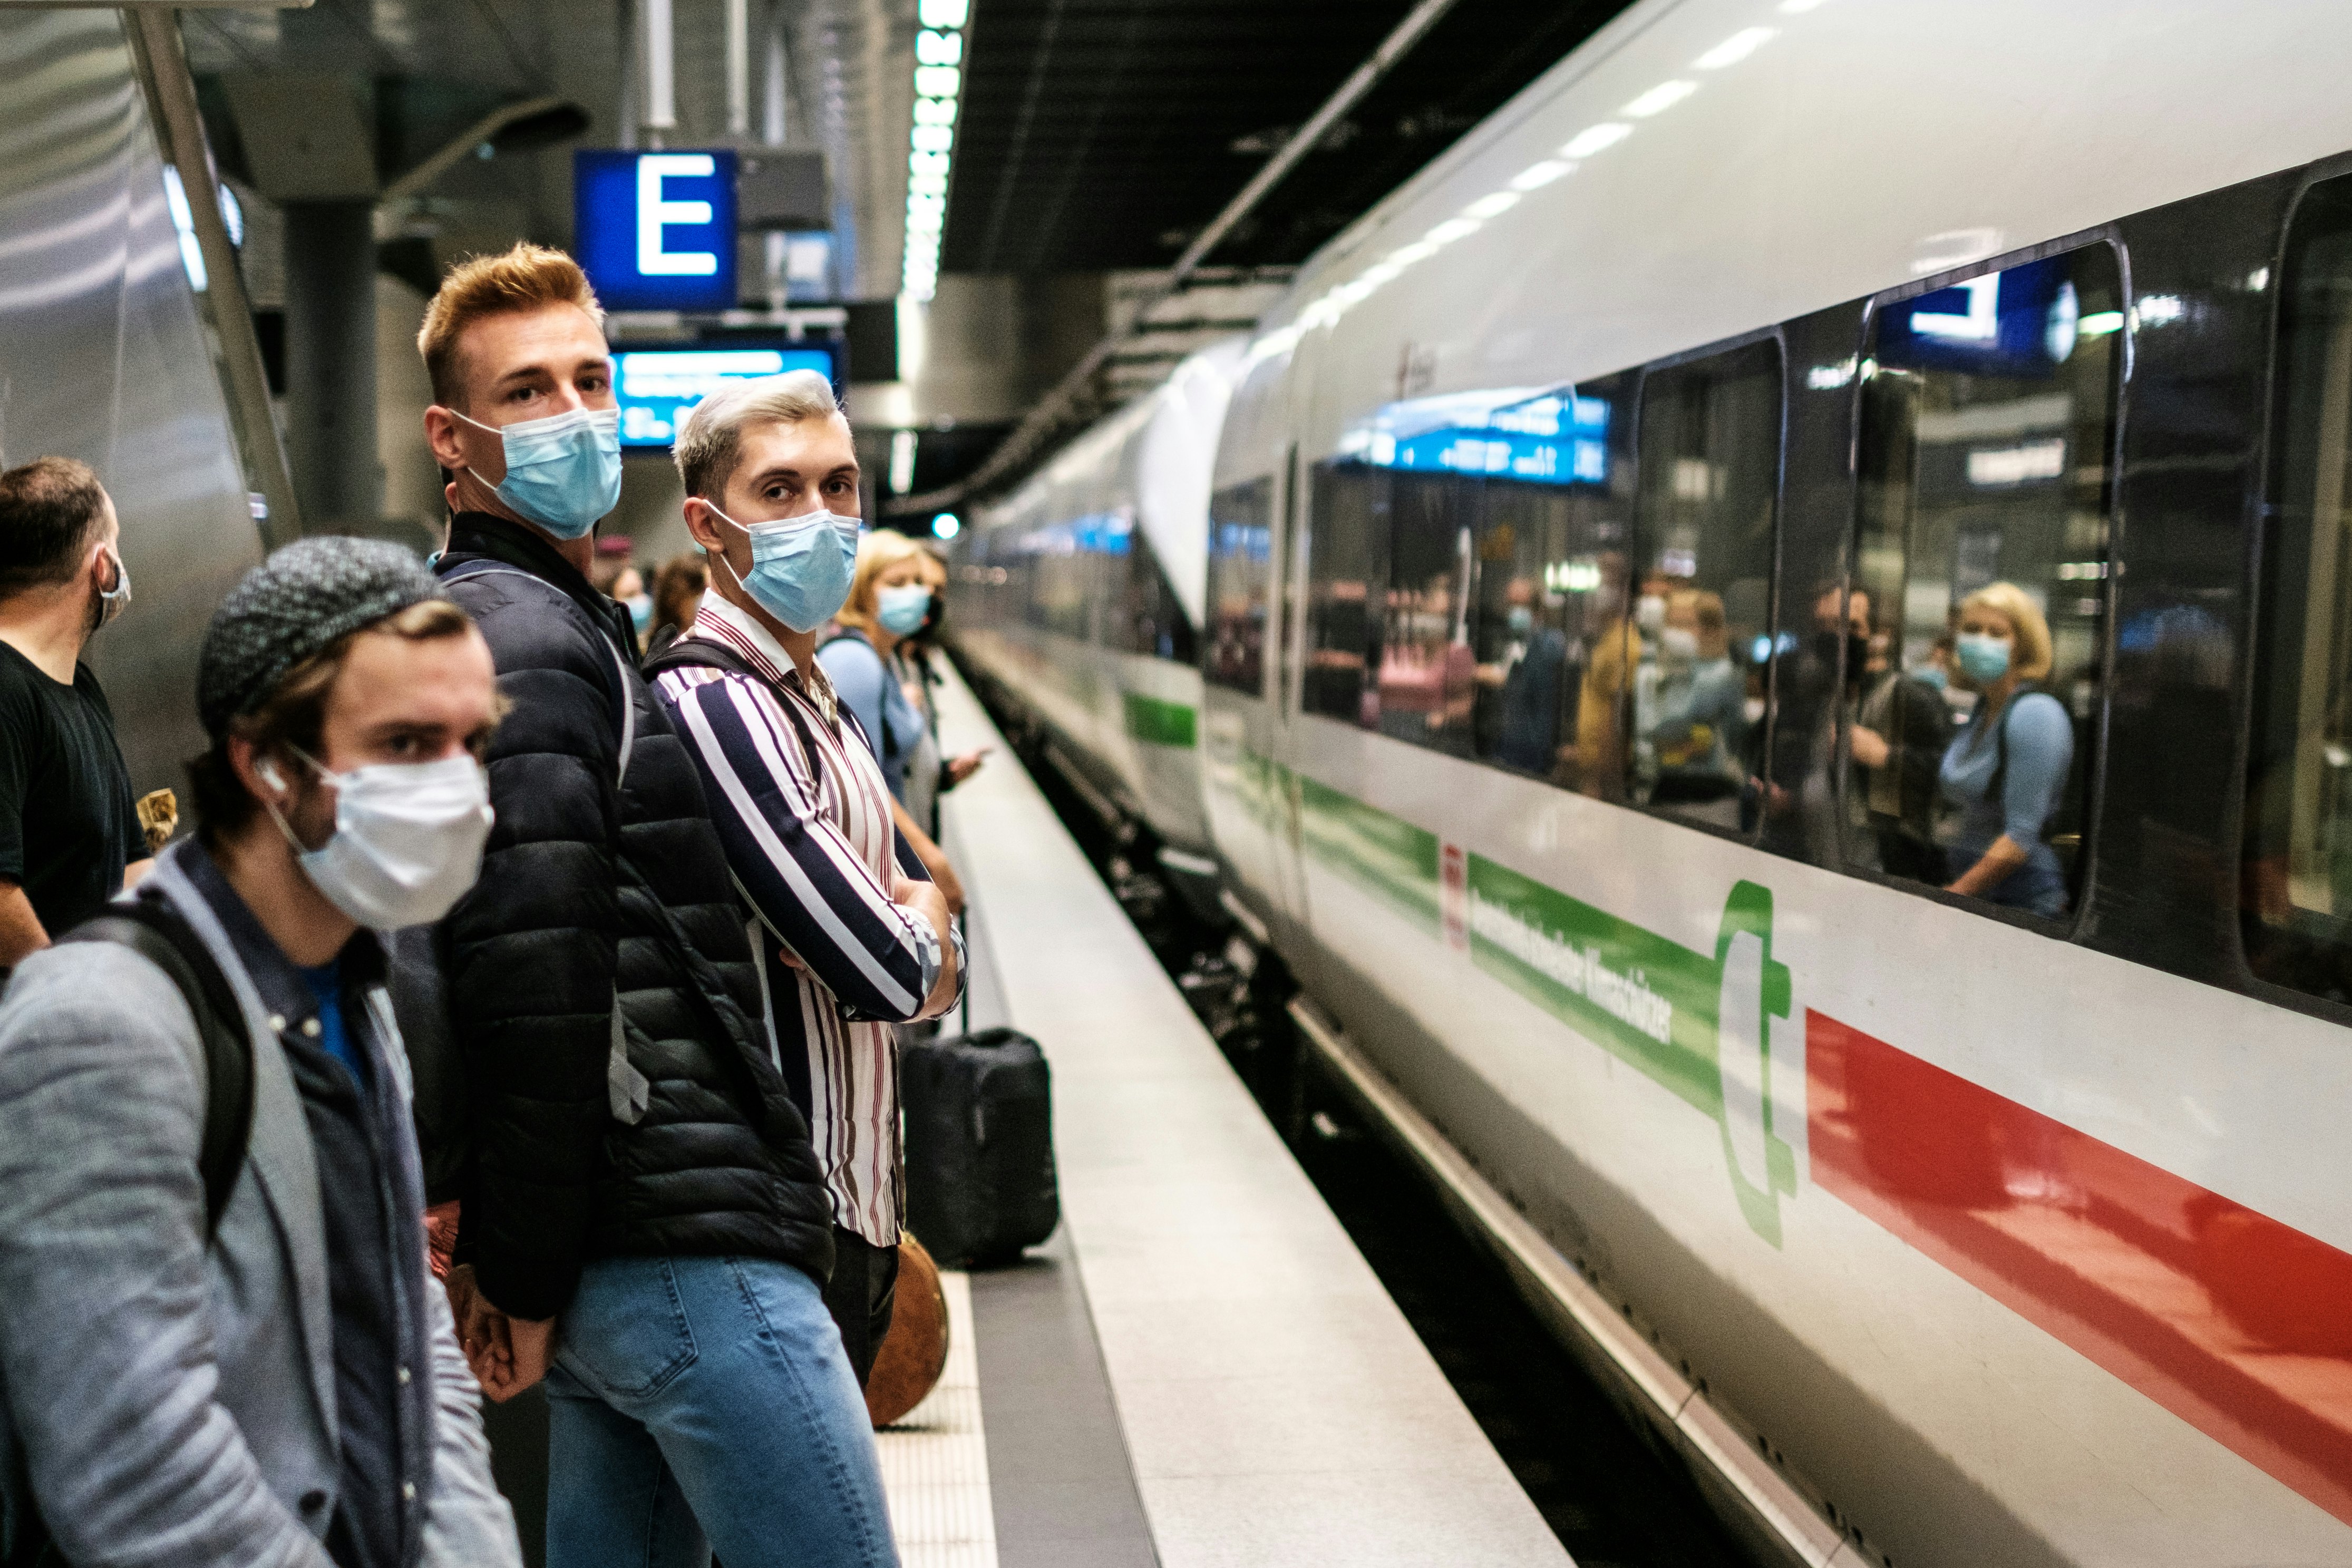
[935, 1460]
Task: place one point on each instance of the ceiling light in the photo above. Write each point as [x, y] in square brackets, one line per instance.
[1734, 48]
[1492, 206]
[1449, 231]
[1536, 175]
[1661, 98]
[1596, 138]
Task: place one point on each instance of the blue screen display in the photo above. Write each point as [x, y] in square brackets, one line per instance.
[655, 387]
[657, 230]
[1552, 438]
[2020, 323]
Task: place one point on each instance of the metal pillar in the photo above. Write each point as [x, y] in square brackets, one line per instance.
[330, 364]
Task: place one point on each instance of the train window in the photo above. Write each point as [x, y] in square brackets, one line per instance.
[1551, 614]
[1347, 576]
[1240, 548]
[1700, 647]
[2297, 876]
[1147, 617]
[1966, 657]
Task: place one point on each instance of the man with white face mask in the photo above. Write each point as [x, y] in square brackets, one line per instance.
[219, 1337]
[639, 1171]
[69, 836]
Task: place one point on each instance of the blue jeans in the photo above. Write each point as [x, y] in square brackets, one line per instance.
[706, 1401]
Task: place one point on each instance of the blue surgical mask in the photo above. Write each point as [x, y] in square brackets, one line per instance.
[1983, 659]
[1929, 675]
[1521, 620]
[902, 611]
[641, 610]
[800, 566]
[563, 471]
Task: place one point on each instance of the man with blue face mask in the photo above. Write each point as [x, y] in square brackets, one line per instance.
[639, 1168]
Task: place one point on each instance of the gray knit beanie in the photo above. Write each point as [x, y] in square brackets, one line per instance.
[294, 605]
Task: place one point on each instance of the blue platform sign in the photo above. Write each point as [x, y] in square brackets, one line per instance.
[657, 386]
[657, 230]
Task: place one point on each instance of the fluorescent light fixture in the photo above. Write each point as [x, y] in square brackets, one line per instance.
[2258, 280]
[1492, 206]
[2099, 323]
[1376, 275]
[2005, 465]
[1734, 48]
[938, 81]
[1449, 231]
[902, 461]
[1405, 255]
[1829, 377]
[2160, 310]
[1660, 98]
[1535, 177]
[1595, 139]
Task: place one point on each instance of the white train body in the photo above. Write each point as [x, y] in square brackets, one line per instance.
[1960, 1217]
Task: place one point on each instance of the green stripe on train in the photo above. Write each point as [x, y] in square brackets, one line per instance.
[1158, 722]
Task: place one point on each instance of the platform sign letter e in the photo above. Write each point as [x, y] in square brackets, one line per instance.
[657, 230]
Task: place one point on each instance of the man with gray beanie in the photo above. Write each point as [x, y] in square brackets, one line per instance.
[218, 1334]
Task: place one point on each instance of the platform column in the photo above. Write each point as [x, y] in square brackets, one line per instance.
[330, 436]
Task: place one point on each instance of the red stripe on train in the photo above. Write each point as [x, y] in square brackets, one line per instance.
[2236, 1323]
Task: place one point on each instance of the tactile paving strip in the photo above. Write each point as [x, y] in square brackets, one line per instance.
[935, 1461]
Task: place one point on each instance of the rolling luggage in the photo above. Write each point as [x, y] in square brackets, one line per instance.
[980, 1145]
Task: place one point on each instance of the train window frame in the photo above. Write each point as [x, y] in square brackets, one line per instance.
[1637, 398]
[1207, 636]
[2254, 650]
[2073, 923]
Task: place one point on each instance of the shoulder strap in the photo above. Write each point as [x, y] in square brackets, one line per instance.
[474, 569]
[149, 928]
[2000, 740]
[689, 653]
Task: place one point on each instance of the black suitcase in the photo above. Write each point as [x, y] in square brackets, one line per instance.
[980, 1145]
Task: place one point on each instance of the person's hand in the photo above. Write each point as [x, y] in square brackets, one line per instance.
[481, 1328]
[963, 768]
[924, 898]
[529, 1346]
[950, 885]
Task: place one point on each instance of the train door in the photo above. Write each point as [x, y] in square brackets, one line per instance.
[1288, 635]
[1237, 772]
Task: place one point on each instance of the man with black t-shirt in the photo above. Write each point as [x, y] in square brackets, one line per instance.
[70, 838]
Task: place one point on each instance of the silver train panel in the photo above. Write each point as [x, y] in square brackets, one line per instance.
[104, 357]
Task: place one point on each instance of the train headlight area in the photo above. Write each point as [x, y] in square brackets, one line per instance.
[1704, 639]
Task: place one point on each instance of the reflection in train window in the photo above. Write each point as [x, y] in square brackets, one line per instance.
[1552, 599]
[1239, 549]
[1145, 616]
[1346, 571]
[1696, 654]
[2297, 878]
[1965, 667]
[1426, 668]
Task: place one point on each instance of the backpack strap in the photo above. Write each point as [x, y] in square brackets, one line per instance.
[149, 927]
[701, 653]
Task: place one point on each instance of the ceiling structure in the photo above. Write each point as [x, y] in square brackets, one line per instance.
[1102, 134]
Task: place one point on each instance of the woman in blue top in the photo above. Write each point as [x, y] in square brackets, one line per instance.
[889, 599]
[2024, 741]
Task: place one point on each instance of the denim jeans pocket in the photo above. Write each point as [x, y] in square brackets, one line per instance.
[625, 1334]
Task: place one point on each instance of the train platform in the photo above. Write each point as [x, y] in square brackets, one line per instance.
[1200, 1370]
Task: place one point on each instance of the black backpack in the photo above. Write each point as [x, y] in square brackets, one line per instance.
[151, 928]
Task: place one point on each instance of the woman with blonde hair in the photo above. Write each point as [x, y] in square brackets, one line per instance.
[2004, 772]
[889, 600]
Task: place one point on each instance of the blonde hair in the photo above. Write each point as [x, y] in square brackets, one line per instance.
[878, 552]
[710, 435]
[527, 278]
[2026, 621]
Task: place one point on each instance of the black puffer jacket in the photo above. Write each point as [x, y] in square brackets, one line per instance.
[720, 1162]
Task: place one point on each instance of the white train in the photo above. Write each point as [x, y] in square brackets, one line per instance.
[1951, 1233]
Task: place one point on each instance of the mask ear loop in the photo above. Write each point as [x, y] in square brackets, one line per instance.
[267, 771]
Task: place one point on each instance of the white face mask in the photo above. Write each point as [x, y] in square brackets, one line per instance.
[407, 842]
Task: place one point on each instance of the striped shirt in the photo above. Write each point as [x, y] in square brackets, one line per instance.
[801, 807]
